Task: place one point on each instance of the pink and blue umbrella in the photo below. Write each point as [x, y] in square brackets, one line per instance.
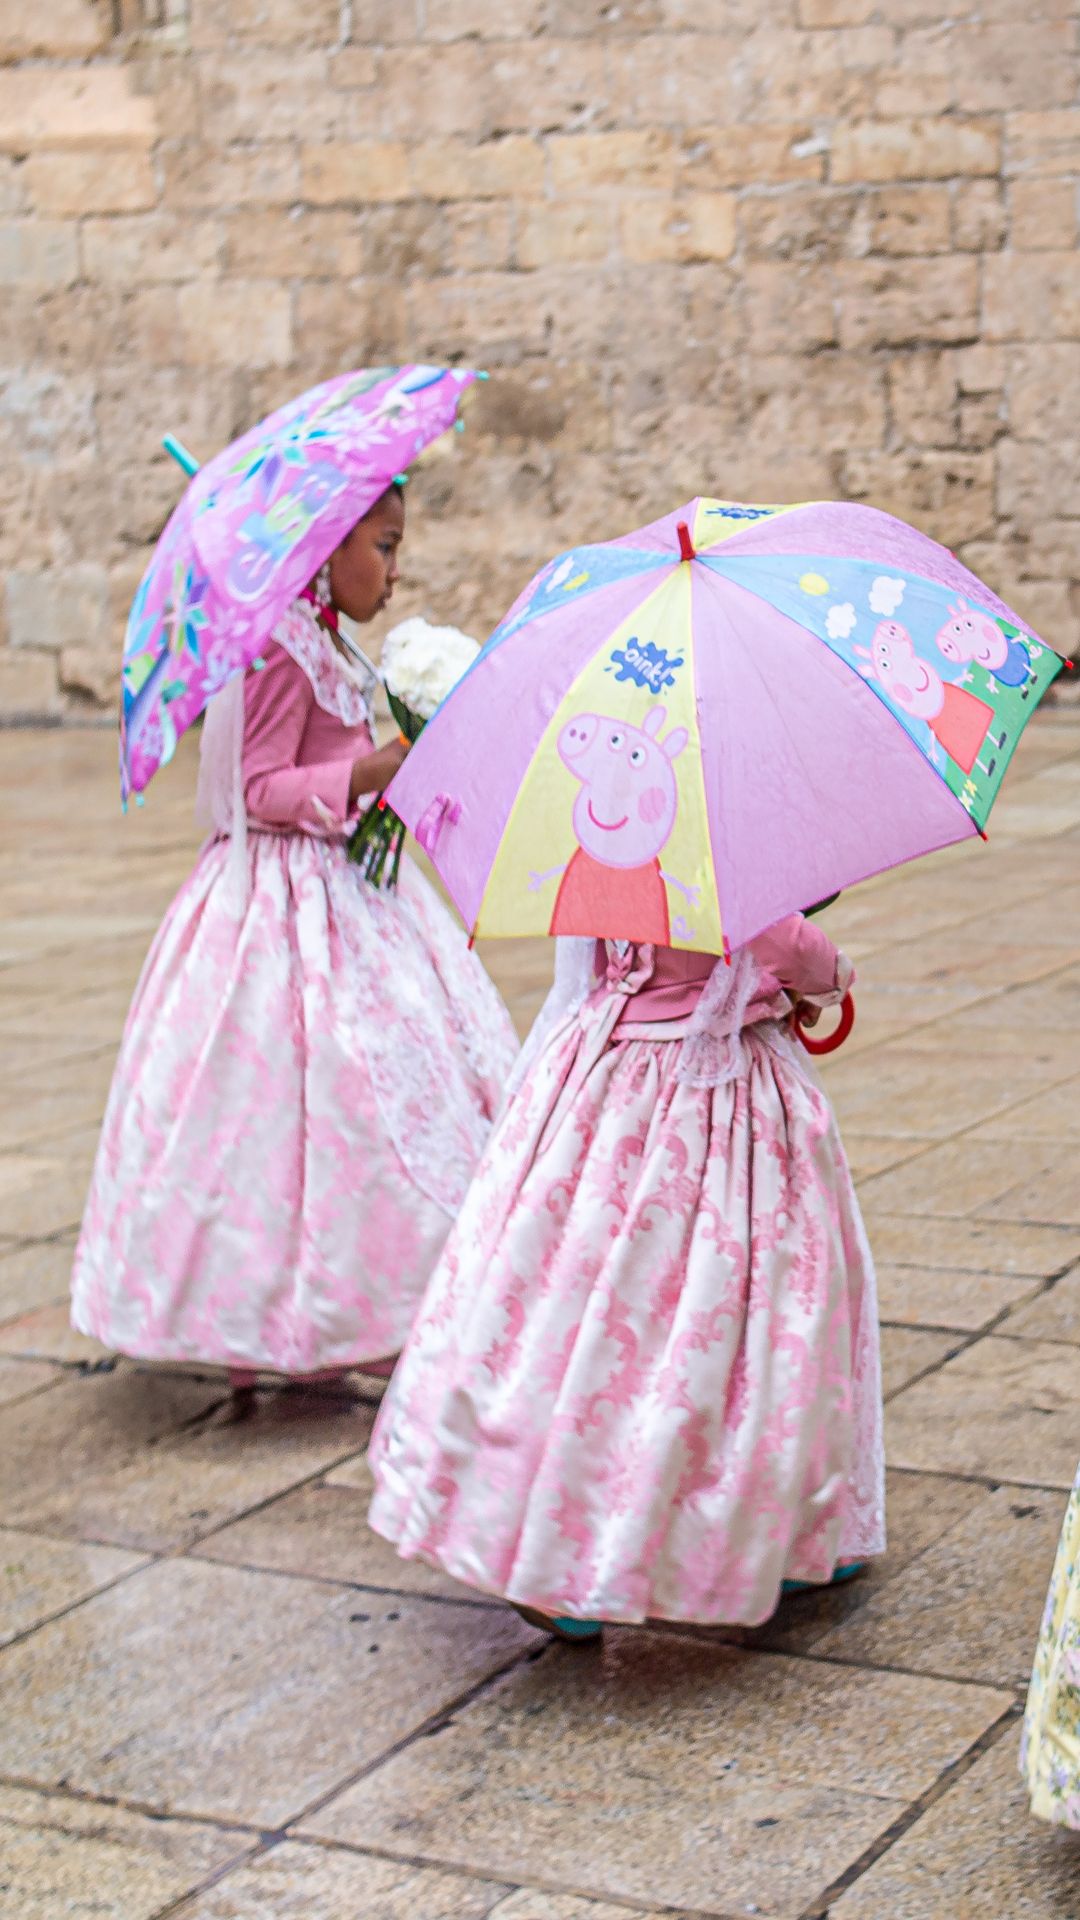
[254, 526]
[683, 735]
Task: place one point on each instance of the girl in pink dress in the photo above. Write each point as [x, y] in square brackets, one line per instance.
[310, 1066]
[644, 1382]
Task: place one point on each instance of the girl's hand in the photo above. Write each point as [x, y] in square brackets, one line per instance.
[376, 770]
[806, 1013]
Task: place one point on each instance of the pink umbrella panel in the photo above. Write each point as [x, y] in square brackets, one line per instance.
[688, 733]
[252, 529]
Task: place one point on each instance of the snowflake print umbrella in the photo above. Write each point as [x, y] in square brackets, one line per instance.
[683, 735]
[253, 527]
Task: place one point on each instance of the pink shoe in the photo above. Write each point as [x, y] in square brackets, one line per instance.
[379, 1369]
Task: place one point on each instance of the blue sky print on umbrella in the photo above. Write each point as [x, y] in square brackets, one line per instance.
[574, 574]
[958, 679]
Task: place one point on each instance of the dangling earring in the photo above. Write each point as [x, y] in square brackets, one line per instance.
[322, 585]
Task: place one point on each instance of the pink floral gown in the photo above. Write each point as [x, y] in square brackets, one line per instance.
[645, 1380]
[307, 1077]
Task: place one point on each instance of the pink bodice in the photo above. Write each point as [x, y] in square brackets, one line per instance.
[297, 755]
[795, 959]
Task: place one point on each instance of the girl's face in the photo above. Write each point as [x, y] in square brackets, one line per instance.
[364, 568]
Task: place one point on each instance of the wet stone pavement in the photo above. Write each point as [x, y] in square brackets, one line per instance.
[222, 1698]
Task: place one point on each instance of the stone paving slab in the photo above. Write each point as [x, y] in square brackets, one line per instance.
[218, 1692]
[78, 1859]
[975, 1855]
[944, 1297]
[41, 1195]
[298, 1881]
[56, 1452]
[1006, 1409]
[954, 1179]
[932, 1091]
[19, 1380]
[973, 1245]
[870, 1153]
[40, 1578]
[1053, 1314]
[47, 1334]
[970, 1606]
[909, 1352]
[651, 1763]
[189, 1481]
[1048, 1115]
[1048, 1190]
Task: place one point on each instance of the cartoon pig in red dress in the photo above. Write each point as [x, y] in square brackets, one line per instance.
[623, 817]
[957, 719]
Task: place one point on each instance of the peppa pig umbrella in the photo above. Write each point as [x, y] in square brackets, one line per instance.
[685, 734]
[253, 527]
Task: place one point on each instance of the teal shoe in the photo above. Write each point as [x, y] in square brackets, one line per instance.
[560, 1624]
[847, 1570]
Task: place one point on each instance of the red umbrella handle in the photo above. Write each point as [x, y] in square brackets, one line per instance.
[830, 1041]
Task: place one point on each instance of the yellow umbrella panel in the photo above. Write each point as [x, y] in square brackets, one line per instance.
[608, 834]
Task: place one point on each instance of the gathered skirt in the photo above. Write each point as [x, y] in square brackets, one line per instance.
[305, 1084]
[645, 1380]
[1050, 1747]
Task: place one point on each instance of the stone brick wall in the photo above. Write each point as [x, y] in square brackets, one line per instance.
[769, 248]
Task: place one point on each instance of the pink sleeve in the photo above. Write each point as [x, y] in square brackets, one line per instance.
[798, 955]
[277, 702]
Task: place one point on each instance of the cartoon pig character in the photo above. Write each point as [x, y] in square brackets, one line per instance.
[958, 720]
[623, 817]
[971, 634]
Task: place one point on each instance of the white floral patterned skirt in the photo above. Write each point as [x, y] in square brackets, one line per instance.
[645, 1379]
[1050, 1748]
[304, 1087]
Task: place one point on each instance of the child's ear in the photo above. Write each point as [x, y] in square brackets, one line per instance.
[675, 742]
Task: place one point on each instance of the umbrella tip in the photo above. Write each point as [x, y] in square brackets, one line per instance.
[180, 454]
[686, 545]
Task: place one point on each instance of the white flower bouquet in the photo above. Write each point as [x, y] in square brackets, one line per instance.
[421, 664]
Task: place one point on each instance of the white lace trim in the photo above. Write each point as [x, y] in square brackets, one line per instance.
[340, 689]
[712, 1052]
[575, 978]
[433, 1110]
[219, 795]
[711, 1055]
[863, 1532]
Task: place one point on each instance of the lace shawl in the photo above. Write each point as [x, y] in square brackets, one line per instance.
[575, 978]
[711, 1051]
